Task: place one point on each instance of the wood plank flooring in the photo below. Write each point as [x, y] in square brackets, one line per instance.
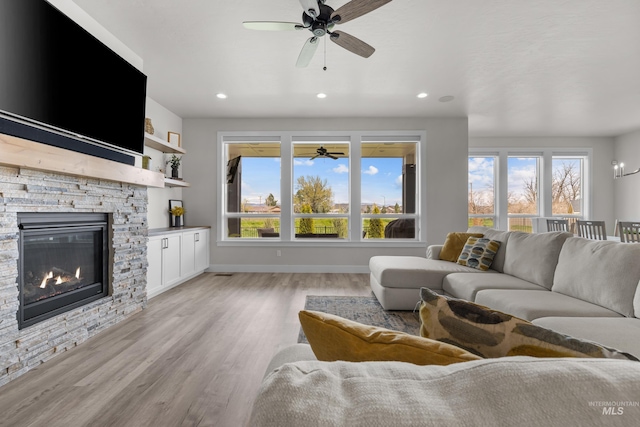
[194, 357]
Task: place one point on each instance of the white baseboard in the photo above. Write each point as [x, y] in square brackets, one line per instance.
[240, 268]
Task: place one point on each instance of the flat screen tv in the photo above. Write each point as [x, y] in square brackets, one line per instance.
[61, 86]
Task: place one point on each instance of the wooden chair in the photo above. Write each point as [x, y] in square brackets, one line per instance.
[629, 231]
[594, 230]
[557, 225]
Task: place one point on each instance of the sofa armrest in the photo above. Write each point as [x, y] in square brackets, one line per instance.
[433, 251]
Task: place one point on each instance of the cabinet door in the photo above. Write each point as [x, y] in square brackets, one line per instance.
[154, 271]
[188, 253]
[202, 250]
[171, 259]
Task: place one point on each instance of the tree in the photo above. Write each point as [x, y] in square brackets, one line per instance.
[376, 230]
[271, 200]
[315, 192]
[340, 227]
[396, 208]
[306, 224]
[565, 187]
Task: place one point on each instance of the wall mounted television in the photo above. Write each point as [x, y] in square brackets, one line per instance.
[61, 86]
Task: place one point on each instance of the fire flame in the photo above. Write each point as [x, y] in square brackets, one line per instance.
[58, 279]
[44, 281]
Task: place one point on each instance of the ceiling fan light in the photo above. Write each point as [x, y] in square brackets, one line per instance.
[221, 96]
[422, 95]
[322, 95]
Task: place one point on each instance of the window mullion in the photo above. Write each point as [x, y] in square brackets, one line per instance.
[355, 181]
[286, 188]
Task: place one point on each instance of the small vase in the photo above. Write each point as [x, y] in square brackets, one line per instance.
[177, 221]
[148, 127]
[174, 172]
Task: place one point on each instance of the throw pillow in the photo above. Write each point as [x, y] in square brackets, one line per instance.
[491, 333]
[454, 244]
[478, 253]
[335, 338]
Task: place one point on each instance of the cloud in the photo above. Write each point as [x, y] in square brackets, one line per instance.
[303, 162]
[341, 169]
[398, 181]
[371, 171]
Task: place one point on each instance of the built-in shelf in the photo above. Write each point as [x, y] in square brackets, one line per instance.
[168, 182]
[158, 144]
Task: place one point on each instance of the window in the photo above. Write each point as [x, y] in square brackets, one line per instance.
[482, 201]
[508, 188]
[252, 183]
[523, 190]
[388, 190]
[321, 188]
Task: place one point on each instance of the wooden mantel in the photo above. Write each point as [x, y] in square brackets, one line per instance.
[22, 153]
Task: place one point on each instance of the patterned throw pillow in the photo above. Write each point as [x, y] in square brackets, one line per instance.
[335, 338]
[454, 244]
[478, 253]
[491, 333]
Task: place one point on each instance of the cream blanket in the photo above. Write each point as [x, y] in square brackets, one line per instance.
[512, 391]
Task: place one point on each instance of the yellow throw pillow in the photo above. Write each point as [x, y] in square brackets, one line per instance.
[491, 333]
[454, 244]
[335, 338]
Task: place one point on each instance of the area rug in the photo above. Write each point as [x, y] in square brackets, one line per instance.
[362, 309]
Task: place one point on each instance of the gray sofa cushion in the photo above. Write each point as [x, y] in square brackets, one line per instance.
[466, 286]
[413, 272]
[615, 332]
[531, 305]
[602, 272]
[503, 238]
[533, 257]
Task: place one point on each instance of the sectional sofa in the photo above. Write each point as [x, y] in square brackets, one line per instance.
[587, 289]
[584, 288]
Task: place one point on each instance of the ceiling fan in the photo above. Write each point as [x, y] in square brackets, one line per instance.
[320, 19]
[322, 152]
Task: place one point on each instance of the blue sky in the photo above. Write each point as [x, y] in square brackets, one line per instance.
[381, 178]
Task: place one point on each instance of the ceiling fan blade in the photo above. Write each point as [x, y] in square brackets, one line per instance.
[336, 153]
[310, 7]
[355, 9]
[272, 25]
[330, 156]
[352, 44]
[314, 157]
[307, 52]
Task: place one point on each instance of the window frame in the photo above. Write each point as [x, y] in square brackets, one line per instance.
[287, 139]
[545, 175]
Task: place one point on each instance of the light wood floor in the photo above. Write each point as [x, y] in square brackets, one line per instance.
[194, 357]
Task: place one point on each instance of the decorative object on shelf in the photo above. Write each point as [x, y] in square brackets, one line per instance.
[174, 138]
[147, 163]
[618, 170]
[175, 164]
[177, 213]
[148, 127]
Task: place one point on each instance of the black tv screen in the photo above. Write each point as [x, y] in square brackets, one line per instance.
[55, 73]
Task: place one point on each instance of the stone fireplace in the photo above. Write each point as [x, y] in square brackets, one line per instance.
[97, 296]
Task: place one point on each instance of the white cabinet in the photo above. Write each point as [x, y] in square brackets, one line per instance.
[175, 257]
[163, 254]
[195, 252]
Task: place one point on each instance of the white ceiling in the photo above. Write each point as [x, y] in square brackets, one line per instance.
[515, 67]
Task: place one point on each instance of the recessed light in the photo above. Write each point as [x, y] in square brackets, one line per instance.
[221, 96]
[446, 98]
[322, 95]
[423, 95]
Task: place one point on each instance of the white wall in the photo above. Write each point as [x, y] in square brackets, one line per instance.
[446, 186]
[627, 189]
[603, 153]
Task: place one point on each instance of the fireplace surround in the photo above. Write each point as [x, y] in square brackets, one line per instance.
[36, 192]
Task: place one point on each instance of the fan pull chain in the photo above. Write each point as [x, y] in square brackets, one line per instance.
[325, 54]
